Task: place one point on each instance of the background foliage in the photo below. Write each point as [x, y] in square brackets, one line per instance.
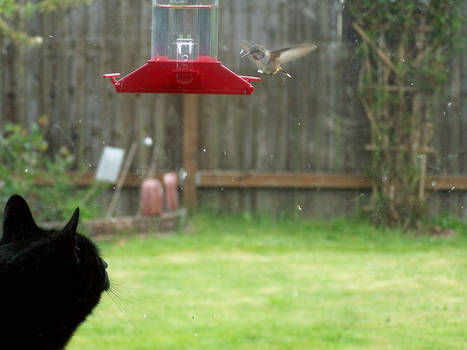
[13, 14]
[24, 163]
[406, 49]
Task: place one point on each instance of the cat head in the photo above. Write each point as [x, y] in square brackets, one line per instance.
[55, 277]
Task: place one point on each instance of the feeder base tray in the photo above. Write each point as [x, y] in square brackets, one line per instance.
[162, 75]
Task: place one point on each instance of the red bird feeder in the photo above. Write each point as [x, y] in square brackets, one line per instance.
[184, 54]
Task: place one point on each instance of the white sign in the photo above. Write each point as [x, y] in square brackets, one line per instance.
[110, 164]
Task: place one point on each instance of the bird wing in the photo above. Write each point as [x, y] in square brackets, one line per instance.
[293, 52]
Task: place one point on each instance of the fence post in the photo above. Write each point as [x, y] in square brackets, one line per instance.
[190, 149]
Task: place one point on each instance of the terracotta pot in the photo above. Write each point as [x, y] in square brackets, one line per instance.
[152, 194]
[171, 191]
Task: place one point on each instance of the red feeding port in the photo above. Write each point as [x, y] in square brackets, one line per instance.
[201, 76]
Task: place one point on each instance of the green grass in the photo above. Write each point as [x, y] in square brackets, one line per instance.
[252, 283]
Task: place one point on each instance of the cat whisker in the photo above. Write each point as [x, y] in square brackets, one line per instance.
[122, 301]
[122, 285]
[118, 302]
[117, 288]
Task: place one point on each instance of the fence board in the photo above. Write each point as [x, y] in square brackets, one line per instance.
[237, 179]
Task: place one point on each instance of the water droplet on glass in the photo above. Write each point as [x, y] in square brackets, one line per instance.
[148, 141]
[182, 173]
[38, 40]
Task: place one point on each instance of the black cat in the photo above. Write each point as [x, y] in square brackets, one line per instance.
[49, 281]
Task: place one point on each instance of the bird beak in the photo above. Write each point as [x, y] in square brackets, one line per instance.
[245, 54]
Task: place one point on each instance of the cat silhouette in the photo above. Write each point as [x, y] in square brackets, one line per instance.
[50, 281]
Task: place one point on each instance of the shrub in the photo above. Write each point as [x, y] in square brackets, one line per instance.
[27, 169]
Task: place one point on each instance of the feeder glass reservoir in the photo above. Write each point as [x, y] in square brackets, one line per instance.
[184, 30]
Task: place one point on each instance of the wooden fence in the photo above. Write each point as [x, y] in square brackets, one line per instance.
[310, 124]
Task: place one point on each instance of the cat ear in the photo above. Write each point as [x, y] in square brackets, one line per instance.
[18, 223]
[67, 237]
[69, 231]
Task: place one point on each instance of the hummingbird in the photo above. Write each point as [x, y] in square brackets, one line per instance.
[269, 62]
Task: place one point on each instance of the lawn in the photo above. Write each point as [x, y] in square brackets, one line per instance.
[253, 283]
